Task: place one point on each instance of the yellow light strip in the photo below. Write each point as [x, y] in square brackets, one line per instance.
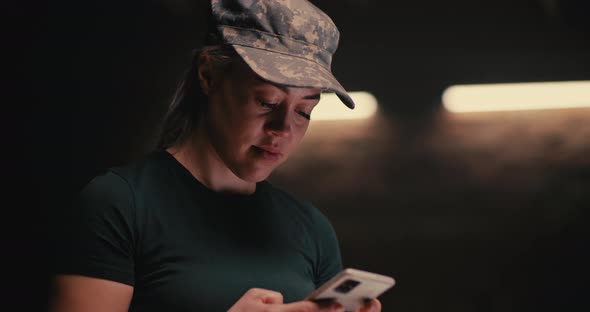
[516, 96]
[331, 108]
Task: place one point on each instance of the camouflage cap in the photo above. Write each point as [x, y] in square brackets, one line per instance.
[287, 42]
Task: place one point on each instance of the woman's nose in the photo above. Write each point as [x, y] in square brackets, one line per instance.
[279, 124]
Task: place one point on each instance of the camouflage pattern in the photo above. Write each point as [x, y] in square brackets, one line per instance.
[288, 42]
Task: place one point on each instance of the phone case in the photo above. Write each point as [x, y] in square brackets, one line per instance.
[352, 287]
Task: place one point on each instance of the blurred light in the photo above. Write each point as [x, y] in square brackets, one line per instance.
[331, 108]
[516, 96]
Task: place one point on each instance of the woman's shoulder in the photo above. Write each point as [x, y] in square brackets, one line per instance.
[147, 166]
[124, 178]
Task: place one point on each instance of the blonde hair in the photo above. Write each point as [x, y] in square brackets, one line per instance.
[189, 102]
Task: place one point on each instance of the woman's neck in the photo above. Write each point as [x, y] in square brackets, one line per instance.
[200, 158]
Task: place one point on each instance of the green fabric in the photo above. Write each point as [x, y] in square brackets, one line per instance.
[183, 247]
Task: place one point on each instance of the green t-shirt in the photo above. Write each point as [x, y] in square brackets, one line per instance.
[183, 247]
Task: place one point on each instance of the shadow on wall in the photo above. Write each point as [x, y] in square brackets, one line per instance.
[472, 212]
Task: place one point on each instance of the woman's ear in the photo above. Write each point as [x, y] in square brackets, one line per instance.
[205, 73]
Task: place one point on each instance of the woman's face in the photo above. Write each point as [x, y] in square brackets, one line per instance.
[255, 125]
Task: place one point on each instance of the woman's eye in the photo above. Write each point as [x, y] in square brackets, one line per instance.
[305, 115]
[269, 105]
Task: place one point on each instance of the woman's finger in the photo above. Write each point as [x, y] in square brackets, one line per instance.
[373, 305]
[309, 306]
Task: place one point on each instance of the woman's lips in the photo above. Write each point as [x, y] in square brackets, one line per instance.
[269, 152]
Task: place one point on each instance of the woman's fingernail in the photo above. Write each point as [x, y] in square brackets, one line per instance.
[335, 306]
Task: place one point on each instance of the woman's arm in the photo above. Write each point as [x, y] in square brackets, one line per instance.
[75, 293]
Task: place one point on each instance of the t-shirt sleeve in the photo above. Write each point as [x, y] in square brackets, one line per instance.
[329, 258]
[95, 237]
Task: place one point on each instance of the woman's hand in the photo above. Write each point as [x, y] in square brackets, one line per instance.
[257, 299]
[373, 305]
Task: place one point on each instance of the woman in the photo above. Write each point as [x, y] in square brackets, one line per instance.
[194, 226]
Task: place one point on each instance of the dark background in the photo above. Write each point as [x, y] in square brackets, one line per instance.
[469, 212]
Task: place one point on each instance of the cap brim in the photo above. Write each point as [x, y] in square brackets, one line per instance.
[292, 71]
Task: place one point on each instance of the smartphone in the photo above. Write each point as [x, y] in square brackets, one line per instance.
[352, 287]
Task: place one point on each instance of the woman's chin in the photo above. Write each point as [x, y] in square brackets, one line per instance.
[254, 174]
